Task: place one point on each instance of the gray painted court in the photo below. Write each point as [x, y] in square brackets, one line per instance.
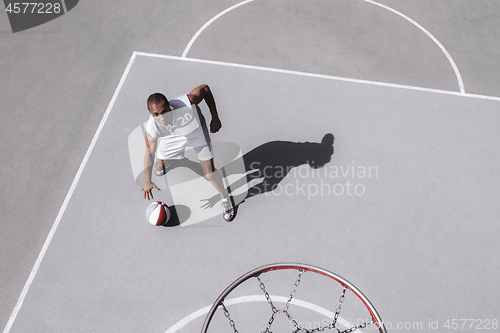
[405, 208]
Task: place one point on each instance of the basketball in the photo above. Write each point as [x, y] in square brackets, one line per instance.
[158, 213]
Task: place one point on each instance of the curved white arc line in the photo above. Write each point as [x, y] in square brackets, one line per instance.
[191, 42]
[257, 298]
[434, 39]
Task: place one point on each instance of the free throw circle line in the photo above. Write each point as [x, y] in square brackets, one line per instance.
[434, 39]
[191, 42]
[257, 298]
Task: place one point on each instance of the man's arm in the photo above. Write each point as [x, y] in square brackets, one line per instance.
[148, 166]
[203, 92]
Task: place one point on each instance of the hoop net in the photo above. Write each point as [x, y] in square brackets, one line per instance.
[290, 297]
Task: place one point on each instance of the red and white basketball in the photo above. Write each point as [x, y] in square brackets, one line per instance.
[158, 213]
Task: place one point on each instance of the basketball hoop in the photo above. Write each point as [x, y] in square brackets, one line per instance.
[296, 326]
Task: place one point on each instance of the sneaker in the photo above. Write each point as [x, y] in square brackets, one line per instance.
[227, 210]
[160, 173]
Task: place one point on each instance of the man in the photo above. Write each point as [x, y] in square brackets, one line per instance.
[175, 125]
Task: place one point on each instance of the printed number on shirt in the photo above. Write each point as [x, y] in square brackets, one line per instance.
[185, 119]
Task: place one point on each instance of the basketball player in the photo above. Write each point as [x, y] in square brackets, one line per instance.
[175, 125]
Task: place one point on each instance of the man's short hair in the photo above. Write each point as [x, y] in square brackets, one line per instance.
[156, 98]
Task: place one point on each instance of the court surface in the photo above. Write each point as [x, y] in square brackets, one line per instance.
[404, 205]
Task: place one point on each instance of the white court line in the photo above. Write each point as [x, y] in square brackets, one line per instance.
[257, 298]
[329, 77]
[52, 231]
[434, 39]
[188, 47]
[64, 6]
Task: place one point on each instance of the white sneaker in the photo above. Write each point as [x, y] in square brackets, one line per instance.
[227, 210]
[160, 173]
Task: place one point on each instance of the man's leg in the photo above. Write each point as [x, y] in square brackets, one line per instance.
[214, 177]
[228, 212]
[161, 166]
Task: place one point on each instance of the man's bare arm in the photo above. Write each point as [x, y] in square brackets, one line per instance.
[148, 166]
[203, 92]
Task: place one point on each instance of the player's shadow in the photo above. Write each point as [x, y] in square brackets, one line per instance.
[268, 164]
[259, 171]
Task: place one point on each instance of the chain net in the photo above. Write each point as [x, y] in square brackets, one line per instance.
[294, 323]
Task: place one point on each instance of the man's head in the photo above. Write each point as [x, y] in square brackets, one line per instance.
[158, 105]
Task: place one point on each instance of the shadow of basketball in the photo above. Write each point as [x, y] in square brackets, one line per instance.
[175, 212]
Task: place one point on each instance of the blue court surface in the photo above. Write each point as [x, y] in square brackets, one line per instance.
[404, 206]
